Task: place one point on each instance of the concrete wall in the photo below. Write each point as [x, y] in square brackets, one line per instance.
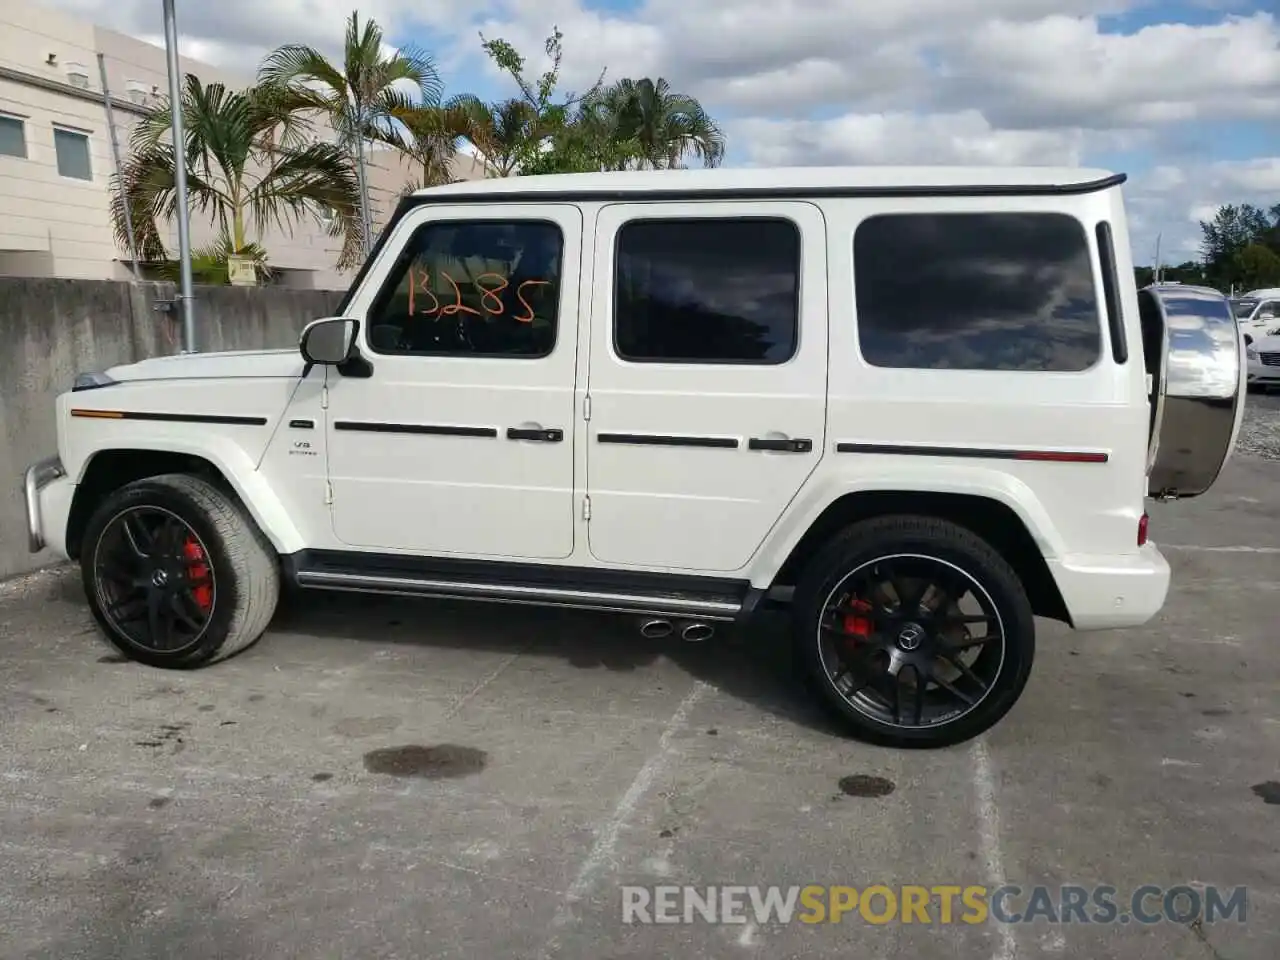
[52, 329]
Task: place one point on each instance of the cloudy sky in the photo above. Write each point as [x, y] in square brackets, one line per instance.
[1184, 95]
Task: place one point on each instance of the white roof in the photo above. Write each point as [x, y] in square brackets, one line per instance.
[784, 178]
[1267, 293]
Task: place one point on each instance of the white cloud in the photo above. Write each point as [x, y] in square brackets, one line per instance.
[964, 137]
[1171, 201]
[1063, 71]
[850, 81]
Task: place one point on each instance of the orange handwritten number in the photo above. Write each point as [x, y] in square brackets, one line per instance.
[525, 303]
[488, 294]
[449, 309]
[422, 285]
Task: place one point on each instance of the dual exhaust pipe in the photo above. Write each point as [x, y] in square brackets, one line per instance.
[691, 632]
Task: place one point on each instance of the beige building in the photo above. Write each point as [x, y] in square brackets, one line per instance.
[56, 156]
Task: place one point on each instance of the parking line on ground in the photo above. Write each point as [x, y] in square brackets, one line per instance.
[984, 786]
[607, 833]
[487, 679]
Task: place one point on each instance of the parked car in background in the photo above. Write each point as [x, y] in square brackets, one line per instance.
[1257, 311]
[1262, 354]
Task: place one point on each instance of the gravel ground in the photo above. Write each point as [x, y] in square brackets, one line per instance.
[1260, 432]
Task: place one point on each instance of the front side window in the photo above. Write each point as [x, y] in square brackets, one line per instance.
[976, 291]
[707, 290]
[472, 288]
[72, 150]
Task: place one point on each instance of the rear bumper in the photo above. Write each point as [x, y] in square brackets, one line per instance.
[1107, 592]
[47, 491]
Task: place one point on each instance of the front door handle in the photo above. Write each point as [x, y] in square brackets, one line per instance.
[552, 435]
[781, 445]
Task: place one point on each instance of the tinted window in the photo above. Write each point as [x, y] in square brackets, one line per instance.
[976, 291]
[707, 291]
[479, 288]
[72, 150]
[1243, 308]
[13, 139]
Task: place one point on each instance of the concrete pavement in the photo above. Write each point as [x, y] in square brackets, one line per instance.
[397, 779]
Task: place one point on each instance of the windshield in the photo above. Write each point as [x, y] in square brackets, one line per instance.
[1243, 309]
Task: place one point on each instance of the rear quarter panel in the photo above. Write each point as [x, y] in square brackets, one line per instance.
[1069, 508]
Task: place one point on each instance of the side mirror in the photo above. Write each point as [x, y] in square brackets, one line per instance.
[1248, 340]
[329, 340]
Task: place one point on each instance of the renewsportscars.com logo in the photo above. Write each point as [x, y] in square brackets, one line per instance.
[939, 903]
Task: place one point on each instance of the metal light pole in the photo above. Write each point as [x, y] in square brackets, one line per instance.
[115, 158]
[180, 169]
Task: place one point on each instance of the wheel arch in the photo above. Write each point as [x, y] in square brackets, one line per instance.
[990, 518]
[107, 470]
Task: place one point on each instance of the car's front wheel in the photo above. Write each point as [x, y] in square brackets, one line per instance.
[176, 574]
[914, 631]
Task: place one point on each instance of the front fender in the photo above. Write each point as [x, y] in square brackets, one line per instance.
[970, 480]
[234, 463]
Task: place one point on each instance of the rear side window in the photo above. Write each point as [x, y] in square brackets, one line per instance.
[707, 290]
[976, 291]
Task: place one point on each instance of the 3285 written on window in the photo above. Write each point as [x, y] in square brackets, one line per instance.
[472, 288]
[976, 291]
[707, 290]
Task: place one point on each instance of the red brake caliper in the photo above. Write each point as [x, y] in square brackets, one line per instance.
[857, 625]
[198, 571]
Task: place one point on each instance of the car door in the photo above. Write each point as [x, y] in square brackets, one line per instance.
[460, 439]
[707, 378]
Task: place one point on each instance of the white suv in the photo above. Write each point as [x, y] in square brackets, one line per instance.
[923, 404]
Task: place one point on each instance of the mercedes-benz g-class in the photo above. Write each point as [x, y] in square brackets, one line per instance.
[922, 406]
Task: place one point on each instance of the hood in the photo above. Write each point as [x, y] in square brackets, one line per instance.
[1265, 344]
[221, 365]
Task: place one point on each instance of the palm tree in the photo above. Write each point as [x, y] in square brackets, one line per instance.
[434, 133]
[249, 165]
[359, 96]
[661, 125]
[504, 133]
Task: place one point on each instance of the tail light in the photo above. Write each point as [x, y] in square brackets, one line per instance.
[1142, 530]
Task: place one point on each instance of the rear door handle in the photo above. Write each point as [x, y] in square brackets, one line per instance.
[784, 446]
[552, 435]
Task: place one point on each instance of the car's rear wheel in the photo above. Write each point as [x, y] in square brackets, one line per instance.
[176, 574]
[914, 631]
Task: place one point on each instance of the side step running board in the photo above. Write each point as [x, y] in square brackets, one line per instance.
[704, 608]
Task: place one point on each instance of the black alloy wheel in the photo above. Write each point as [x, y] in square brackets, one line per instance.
[914, 631]
[177, 573]
[155, 585]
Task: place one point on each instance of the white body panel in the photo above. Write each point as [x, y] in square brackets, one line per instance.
[441, 494]
[700, 508]
[718, 512]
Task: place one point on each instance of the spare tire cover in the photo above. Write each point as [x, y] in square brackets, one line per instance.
[1203, 389]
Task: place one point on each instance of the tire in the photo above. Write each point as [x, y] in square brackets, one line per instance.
[862, 554]
[208, 543]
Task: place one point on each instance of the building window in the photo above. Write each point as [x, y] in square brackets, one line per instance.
[976, 291]
[704, 290]
[488, 288]
[13, 137]
[72, 149]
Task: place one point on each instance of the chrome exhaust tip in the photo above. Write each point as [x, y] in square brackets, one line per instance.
[697, 632]
[656, 629]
